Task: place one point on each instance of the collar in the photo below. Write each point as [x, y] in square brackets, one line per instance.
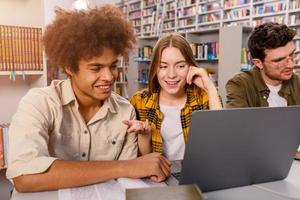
[258, 80]
[262, 87]
[68, 96]
[67, 93]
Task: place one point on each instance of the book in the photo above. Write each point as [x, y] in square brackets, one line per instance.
[103, 190]
[298, 154]
[179, 192]
[3, 145]
[1, 149]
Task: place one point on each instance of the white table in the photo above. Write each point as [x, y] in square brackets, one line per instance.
[288, 188]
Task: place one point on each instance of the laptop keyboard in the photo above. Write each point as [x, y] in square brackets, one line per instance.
[176, 175]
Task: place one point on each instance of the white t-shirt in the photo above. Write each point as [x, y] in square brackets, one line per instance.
[172, 133]
[274, 99]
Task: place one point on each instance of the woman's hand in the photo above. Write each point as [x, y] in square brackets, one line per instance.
[137, 127]
[143, 130]
[199, 77]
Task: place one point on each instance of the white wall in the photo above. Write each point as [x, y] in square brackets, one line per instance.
[21, 12]
[49, 6]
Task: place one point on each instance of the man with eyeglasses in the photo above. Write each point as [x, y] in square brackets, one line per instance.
[271, 82]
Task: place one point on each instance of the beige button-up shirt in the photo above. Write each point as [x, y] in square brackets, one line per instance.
[48, 126]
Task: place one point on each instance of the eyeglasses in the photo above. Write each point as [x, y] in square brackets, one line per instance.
[284, 61]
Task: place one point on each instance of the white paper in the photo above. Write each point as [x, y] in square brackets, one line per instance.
[109, 190]
[128, 183]
[79, 193]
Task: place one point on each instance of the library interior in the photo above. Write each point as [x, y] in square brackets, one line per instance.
[217, 32]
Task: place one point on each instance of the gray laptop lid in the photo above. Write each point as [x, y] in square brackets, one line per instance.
[236, 147]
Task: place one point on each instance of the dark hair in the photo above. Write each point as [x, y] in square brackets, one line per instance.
[76, 35]
[168, 40]
[269, 36]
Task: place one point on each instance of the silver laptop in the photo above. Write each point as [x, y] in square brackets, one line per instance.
[237, 147]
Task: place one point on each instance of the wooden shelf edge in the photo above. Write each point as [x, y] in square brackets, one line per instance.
[22, 72]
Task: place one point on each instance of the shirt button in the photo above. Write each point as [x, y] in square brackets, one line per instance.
[83, 154]
[264, 97]
[113, 142]
[85, 132]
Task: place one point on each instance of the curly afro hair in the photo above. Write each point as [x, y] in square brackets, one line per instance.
[76, 35]
[269, 36]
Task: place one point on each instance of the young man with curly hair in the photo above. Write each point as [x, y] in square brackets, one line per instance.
[75, 132]
[271, 83]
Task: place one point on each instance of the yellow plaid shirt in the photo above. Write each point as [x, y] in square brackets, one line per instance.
[147, 107]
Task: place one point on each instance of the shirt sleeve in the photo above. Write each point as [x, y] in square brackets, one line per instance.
[130, 147]
[28, 137]
[236, 94]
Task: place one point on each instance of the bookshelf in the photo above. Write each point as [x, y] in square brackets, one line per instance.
[21, 50]
[205, 46]
[14, 88]
[201, 22]
[297, 64]
[232, 42]
[140, 64]
[192, 15]
[121, 84]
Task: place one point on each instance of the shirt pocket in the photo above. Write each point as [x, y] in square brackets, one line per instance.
[117, 145]
[107, 148]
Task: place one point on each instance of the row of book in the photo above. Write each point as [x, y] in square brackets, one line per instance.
[186, 12]
[246, 62]
[233, 3]
[186, 22]
[135, 14]
[122, 77]
[183, 3]
[143, 76]
[149, 11]
[147, 3]
[269, 8]
[145, 52]
[279, 19]
[294, 4]
[246, 22]
[233, 14]
[170, 16]
[135, 6]
[294, 19]
[170, 6]
[211, 17]
[209, 7]
[20, 48]
[205, 51]
[3, 145]
[169, 25]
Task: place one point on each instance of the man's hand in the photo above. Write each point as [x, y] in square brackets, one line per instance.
[152, 165]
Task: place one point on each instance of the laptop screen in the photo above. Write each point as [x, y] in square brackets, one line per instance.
[236, 147]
